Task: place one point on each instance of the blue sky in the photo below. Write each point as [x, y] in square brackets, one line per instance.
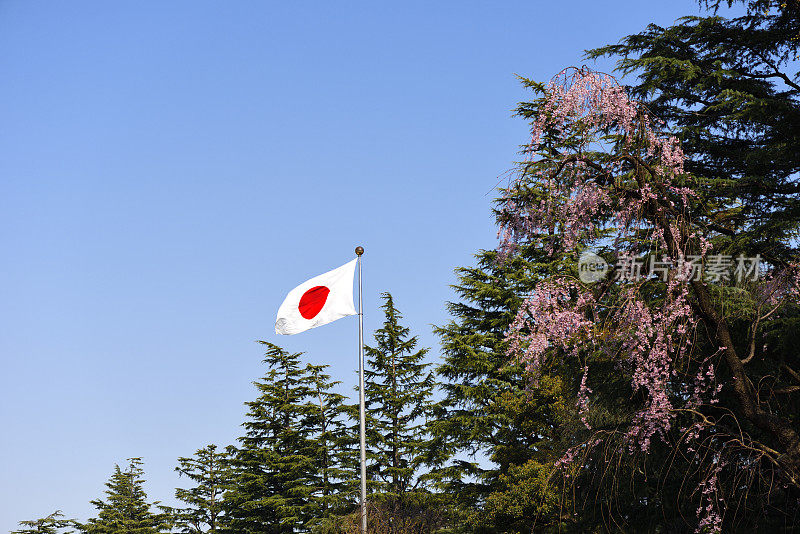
[169, 170]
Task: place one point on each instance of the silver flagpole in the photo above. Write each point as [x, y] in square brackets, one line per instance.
[362, 410]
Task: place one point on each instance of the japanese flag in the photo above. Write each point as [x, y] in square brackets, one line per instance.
[318, 301]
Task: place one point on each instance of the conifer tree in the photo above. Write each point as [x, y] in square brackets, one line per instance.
[126, 510]
[730, 90]
[52, 524]
[330, 447]
[398, 398]
[286, 470]
[209, 470]
[488, 410]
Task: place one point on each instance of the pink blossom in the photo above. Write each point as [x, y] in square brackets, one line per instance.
[590, 105]
[622, 178]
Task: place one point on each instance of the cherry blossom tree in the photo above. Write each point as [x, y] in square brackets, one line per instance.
[601, 173]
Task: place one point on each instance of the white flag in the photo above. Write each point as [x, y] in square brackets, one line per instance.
[318, 301]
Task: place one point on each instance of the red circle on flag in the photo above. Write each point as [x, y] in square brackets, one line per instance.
[312, 301]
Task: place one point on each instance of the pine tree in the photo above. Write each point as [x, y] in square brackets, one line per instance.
[286, 472]
[730, 89]
[210, 471]
[398, 398]
[52, 524]
[330, 447]
[489, 410]
[126, 510]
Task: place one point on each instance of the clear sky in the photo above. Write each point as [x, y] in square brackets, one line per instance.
[170, 169]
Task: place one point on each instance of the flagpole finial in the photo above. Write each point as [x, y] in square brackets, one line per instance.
[359, 250]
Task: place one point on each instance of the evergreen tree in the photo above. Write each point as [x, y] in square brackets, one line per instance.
[126, 510]
[730, 90]
[707, 423]
[489, 410]
[52, 524]
[209, 470]
[331, 447]
[286, 469]
[398, 398]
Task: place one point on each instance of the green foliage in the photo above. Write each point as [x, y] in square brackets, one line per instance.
[210, 472]
[729, 89]
[522, 496]
[126, 510]
[398, 390]
[331, 447]
[286, 469]
[489, 409]
[52, 524]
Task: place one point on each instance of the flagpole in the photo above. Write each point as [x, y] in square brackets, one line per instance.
[362, 410]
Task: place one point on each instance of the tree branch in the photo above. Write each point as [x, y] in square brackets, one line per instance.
[774, 74]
